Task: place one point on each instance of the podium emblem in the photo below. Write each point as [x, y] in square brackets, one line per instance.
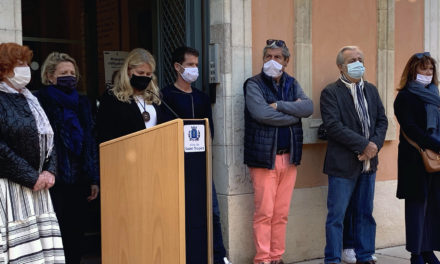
[194, 138]
[194, 134]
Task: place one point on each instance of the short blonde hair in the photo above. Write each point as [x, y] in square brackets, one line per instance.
[51, 63]
[122, 88]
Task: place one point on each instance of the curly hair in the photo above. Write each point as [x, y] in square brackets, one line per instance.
[123, 89]
[10, 55]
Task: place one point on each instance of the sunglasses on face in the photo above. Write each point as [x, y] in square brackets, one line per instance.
[278, 42]
[422, 54]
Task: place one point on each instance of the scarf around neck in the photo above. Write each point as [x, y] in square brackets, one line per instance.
[429, 95]
[70, 127]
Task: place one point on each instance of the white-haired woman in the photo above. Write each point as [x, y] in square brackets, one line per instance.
[133, 103]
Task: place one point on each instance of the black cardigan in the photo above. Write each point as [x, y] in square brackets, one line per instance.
[412, 178]
[19, 143]
[116, 118]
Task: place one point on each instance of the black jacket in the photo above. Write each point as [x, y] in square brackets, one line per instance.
[116, 118]
[413, 180]
[187, 105]
[345, 138]
[19, 143]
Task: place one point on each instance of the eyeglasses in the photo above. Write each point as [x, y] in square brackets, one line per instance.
[421, 55]
[278, 42]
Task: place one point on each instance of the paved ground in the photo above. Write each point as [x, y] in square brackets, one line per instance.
[393, 255]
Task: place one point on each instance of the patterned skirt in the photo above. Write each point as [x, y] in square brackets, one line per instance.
[28, 226]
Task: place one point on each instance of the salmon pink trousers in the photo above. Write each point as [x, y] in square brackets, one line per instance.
[272, 195]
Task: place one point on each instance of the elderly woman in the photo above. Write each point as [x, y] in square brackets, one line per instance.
[133, 103]
[417, 110]
[71, 120]
[28, 224]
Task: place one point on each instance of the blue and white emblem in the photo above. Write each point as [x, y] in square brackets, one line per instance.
[194, 138]
[194, 134]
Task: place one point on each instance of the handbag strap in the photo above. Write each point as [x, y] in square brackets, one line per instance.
[412, 143]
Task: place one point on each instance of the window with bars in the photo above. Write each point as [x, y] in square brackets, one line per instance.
[172, 21]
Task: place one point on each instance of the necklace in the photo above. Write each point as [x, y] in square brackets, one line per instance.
[145, 114]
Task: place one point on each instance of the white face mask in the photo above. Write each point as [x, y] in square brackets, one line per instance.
[424, 79]
[273, 69]
[190, 74]
[22, 76]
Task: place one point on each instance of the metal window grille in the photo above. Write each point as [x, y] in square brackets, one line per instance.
[172, 33]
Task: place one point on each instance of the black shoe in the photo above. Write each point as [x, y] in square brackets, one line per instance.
[417, 259]
[366, 262]
[430, 258]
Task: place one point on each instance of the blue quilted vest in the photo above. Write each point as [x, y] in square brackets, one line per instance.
[260, 140]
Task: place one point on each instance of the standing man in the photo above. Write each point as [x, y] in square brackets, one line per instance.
[189, 102]
[275, 104]
[356, 124]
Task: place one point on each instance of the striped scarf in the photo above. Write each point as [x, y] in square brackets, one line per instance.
[361, 106]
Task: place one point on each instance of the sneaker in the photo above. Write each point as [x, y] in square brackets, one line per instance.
[374, 257]
[348, 256]
[226, 260]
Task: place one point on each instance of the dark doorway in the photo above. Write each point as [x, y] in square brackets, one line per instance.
[85, 29]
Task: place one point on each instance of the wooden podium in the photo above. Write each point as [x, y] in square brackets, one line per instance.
[151, 185]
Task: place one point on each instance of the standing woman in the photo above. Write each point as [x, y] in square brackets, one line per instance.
[77, 151]
[417, 110]
[133, 102]
[28, 225]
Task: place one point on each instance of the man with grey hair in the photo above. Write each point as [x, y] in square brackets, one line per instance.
[274, 106]
[356, 124]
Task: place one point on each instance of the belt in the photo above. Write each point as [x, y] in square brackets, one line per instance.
[282, 151]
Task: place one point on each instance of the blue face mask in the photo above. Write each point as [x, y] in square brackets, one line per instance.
[355, 69]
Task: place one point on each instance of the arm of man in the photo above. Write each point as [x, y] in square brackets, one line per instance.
[381, 123]
[261, 111]
[302, 107]
[336, 130]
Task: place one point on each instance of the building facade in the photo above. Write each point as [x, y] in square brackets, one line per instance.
[388, 31]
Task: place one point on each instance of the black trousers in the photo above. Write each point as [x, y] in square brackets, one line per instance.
[422, 218]
[70, 201]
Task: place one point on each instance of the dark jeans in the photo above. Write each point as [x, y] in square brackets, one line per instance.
[340, 191]
[348, 238]
[219, 248]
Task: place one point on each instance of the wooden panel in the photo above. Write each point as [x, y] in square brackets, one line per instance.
[142, 194]
[208, 149]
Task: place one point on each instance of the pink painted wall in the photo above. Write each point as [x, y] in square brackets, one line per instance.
[271, 21]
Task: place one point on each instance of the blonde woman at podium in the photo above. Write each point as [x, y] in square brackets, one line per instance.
[133, 103]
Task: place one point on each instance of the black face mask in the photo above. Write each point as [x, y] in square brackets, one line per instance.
[66, 83]
[140, 83]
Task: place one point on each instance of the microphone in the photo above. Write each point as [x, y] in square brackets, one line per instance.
[167, 106]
